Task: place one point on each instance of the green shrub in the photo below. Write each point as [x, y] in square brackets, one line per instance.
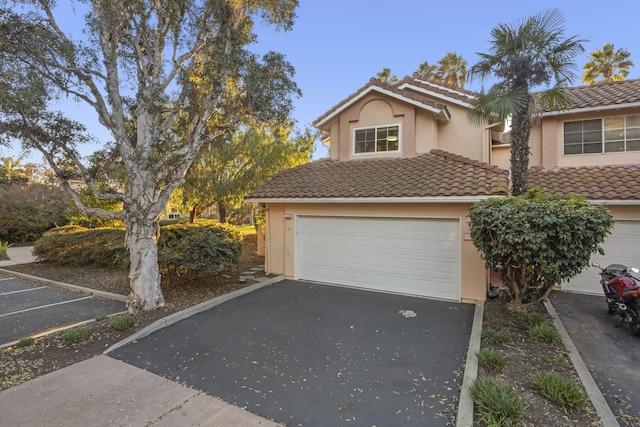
[25, 342]
[491, 336]
[204, 248]
[80, 333]
[558, 389]
[491, 359]
[498, 403]
[124, 322]
[3, 250]
[27, 211]
[534, 319]
[545, 333]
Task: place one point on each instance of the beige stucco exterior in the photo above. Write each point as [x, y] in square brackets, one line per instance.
[281, 235]
[420, 129]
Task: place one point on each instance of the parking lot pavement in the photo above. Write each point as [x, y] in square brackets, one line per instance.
[611, 353]
[310, 354]
[29, 308]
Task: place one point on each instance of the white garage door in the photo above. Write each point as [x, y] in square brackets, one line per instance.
[622, 246]
[409, 256]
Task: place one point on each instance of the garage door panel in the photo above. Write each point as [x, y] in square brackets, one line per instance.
[413, 256]
[620, 247]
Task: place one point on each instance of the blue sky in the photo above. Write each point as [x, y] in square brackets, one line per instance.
[336, 46]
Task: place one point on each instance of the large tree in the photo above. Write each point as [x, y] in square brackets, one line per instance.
[523, 56]
[180, 71]
[229, 168]
[607, 65]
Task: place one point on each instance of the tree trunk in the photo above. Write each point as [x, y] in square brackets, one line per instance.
[144, 274]
[222, 212]
[520, 131]
[192, 216]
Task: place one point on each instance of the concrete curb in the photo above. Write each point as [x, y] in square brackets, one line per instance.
[77, 288]
[590, 386]
[464, 416]
[188, 312]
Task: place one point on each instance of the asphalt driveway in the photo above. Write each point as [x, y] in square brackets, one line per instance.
[319, 355]
[611, 353]
[28, 308]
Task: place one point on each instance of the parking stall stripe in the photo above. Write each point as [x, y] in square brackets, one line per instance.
[5, 278]
[23, 290]
[44, 306]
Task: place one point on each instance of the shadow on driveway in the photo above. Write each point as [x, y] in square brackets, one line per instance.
[319, 355]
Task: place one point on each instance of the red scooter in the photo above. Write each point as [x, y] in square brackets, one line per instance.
[623, 294]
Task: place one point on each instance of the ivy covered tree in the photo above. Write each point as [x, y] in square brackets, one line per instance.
[537, 240]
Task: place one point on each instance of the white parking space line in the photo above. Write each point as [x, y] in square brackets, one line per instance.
[5, 278]
[23, 290]
[44, 306]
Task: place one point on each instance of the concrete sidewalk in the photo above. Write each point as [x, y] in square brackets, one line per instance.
[18, 255]
[102, 390]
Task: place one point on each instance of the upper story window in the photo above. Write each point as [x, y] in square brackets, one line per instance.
[376, 139]
[608, 135]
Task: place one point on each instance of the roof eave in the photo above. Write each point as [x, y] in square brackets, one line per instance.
[437, 199]
[441, 113]
[591, 109]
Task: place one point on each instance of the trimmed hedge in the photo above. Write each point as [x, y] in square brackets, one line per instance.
[203, 248]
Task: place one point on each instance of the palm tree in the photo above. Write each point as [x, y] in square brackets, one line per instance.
[523, 56]
[606, 63]
[12, 170]
[426, 71]
[385, 76]
[452, 69]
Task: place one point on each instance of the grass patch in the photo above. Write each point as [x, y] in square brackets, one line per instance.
[555, 360]
[492, 320]
[498, 403]
[100, 317]
[534, 319]
[491, 359]
[558, 389]
[25, 342]
[247, 229]
[492, 336]
[124, 322]
[80, 333]
[545, 333]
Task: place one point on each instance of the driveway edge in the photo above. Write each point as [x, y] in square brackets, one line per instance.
[77, 288]
[593, 391]
[464, 417]
[188, 312]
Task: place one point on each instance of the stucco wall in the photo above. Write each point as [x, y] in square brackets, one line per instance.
[281, 237]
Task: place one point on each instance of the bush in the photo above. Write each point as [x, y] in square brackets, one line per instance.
[498, 403]
[204, 248]
[124, 322]
[77, 334]
[491, 359]
[3, 250]
[27, 211]
[558, 389]
[491, 336]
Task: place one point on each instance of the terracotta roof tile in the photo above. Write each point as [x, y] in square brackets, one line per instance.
[617, 182]
[434, 174]
[604, 94]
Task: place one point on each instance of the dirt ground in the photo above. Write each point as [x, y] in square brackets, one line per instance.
[524, 355]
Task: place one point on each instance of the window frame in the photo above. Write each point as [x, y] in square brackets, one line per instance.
[375, 140]
[626, 140]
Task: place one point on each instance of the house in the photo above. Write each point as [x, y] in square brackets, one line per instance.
[388, 209]
[593, 149]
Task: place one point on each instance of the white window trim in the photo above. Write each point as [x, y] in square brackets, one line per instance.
[602, 141]
[353, 139]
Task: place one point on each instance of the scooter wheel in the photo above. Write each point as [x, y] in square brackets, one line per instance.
[612, 308]
[635, 328]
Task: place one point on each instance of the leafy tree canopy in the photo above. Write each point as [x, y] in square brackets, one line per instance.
[607, 65]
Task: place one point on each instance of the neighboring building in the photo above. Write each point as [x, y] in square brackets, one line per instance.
[388, 209]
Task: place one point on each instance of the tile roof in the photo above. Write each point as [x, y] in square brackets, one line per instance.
[434, 174]
[403, 90]
[616, 182]
[604, 94]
